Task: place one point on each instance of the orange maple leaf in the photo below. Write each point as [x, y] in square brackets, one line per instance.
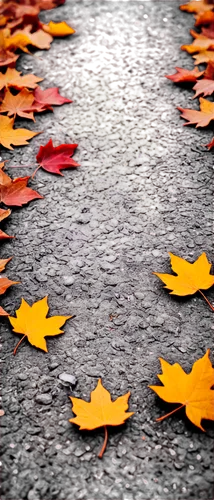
[205, 86]
[200, 118]
[31, 321]
[3, 214]
[5, 283]
[192, 390]
[199, 45]
[211, 144]
[204, 56]
[13, 78]
[196, 6]
[18, 104]
[39, 39]
[9, 135]
[185, 75]
[14, 192]
[100, 411]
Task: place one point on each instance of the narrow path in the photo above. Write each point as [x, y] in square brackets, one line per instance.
[143, 189]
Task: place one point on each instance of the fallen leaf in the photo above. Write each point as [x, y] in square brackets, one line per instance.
[204, 56]
[185, 75]
[206, 17]
[100, 411]
[18, 104]
[58, 29]
[17, 193]
[204, 87]
[200, 118]
[39, 39]
[196, 6]
[209, 32]
[49, 4]
[49, 97]
[3, 312]
[5, 283]
[192, 390]
[54, 159]
[199, 45]
[9, 135]
[191, 278]
[13, 78]
[31, 321]
[3, 263]
[6, 56]
[3, 214]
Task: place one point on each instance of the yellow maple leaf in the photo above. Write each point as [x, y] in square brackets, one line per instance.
[31, 321]
[100, 411]
[192, 390]
[58, 29]
[9, 135]
[191, 278]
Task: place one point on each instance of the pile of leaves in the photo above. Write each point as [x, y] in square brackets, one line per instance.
[20, 95]
[201, 78]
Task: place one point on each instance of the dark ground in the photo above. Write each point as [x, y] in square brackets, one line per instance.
[143, 189]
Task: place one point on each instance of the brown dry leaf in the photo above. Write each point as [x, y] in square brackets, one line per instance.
[13, 78]
[18, 104]
[9, 135]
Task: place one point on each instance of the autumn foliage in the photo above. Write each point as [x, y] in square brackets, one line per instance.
[202, 51]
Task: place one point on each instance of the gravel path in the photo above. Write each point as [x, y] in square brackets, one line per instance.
[143, 189]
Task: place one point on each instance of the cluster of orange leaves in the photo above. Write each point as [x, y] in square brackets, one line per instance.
[22, 31]
[202, 51]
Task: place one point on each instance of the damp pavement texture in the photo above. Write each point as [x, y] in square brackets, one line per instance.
[143, 189]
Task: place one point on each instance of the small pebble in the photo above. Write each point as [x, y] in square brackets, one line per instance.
[44, 399]
[68, 379]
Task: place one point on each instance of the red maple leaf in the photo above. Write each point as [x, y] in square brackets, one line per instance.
[54, 159]
[17, 193]
[49, 97]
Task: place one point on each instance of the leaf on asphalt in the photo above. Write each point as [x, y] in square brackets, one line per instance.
[18, 104]
[3, 214]
[49, 97]
[58, 29]
[191, 390]
[39, 39]
[3, 312]
[200, 118]
[199, 45]
[185, 75]
[191, 278]
[3, 263]
[101, 411]
[204, 56]
[54, 159]
[16, 137]
[31, 321]
[5, 283]
[204, 86]
[13, 78]
[6, 56]
[205, 18]
[17, 193]
[196, 6]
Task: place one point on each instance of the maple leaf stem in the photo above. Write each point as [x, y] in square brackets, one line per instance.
[34, 173]
[205, 298]
[21, 166]
[168, 414]
[19, 342]
[104, 443]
